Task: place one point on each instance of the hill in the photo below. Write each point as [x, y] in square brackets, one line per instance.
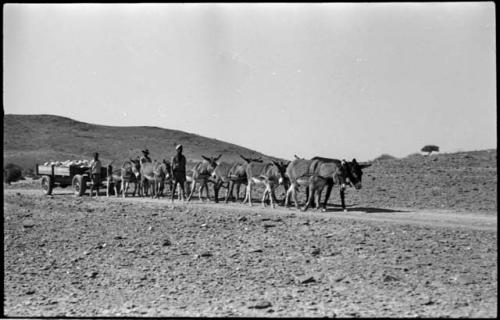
[458, 181]
[30, 139]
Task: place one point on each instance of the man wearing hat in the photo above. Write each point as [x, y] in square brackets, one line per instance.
[179, 172]
[145, 156]
[95, 173]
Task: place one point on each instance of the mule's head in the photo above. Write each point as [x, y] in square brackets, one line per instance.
[136, 167]
[282, 165]
[212, 162]
[353, 172]
[168, 167]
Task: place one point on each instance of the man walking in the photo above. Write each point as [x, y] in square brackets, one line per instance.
[95, 172]
[179, 172]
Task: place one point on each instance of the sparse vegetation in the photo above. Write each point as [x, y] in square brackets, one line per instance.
[12, 173]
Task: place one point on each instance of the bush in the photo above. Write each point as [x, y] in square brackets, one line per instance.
[12, 173]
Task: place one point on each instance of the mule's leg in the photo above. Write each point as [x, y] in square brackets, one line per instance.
[153, 188]
[266, 191]
[329, 186]
[294, 196]
[217, 187]
[244, 191]
[124, 190]
[311, 196]
[238, 185]
[248, 195]
[272, 196]
[201, 189]
[229, 192]
[318, 195]
[288, 193]
[193, 186]
[342, 197]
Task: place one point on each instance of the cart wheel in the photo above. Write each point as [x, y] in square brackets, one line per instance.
[79, 185]
[47, 185]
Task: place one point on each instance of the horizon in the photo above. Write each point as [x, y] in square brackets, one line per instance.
[335, 80]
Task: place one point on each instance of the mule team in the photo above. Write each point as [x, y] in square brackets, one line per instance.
[315, 174]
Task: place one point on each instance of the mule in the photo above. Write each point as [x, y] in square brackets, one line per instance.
[147, 178]
[162, 172]
[201, 173]
[269, 174]
[113, 179]
[220, 178]
[320, 172]
[130, 173]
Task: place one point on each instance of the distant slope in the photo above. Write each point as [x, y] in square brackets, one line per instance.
[29, 139]
[458, 181]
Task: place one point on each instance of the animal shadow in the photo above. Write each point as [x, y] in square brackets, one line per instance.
[338, 208]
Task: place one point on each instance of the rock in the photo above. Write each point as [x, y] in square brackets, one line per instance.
[261, 304]
[166, 243]
[389, 278]
[28, 223]
[268, 225]
[315, 251]
[464, 280]
[256, 251]
[206, 254]
[242, 219]
[92, 274]
[305, 279]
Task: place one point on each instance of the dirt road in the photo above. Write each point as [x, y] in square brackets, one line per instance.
[67, 256]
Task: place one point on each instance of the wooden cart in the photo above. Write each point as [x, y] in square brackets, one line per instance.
[60, 176]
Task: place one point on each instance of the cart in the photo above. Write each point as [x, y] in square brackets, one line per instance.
[63, 176]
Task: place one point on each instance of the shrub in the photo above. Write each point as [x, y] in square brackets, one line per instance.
[12, 173]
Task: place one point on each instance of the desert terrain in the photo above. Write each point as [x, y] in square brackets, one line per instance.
[418, 240]
[394, 253]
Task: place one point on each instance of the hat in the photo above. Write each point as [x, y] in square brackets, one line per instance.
[178, 146]
[145, 151]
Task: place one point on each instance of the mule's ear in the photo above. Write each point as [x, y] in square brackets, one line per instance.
[206, 158]
[362, 166]
[354, 160]
[216, 159]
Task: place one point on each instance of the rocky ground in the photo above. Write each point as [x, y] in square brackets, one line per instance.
[69, 256]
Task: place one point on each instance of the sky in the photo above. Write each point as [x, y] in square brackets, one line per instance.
[336, 80]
